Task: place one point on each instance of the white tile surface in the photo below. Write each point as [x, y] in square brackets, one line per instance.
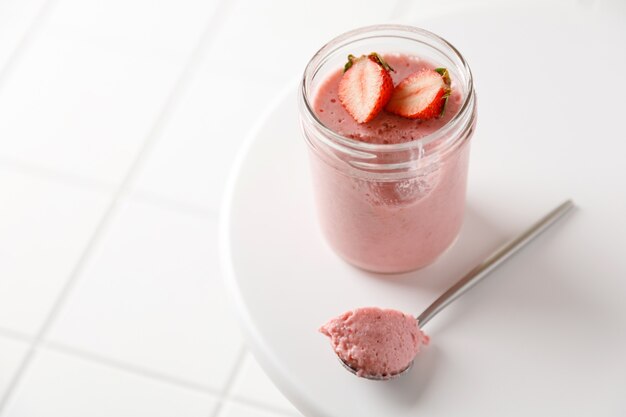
[60, 385]
[90, 110]
[16, 18]
[44, 227]
[416, 11]
[231, 409]
[241, 75]
[163, 27]
[193, 155]
[280, 36]
[253, 384]
[151, 295]
[11, 354]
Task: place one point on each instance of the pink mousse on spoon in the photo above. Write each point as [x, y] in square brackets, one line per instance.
[375, 342]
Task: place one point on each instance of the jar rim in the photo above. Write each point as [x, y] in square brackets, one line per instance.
[357, 145]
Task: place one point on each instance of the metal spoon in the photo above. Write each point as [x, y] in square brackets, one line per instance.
[476, 274]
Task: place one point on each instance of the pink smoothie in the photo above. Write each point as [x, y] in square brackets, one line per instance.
[389, 225]
[375, 342]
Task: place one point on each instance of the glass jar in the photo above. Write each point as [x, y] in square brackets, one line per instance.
[394, 207]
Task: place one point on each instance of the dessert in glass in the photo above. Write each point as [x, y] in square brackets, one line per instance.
[388, 112]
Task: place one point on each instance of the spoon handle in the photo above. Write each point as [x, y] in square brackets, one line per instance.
[482, 270]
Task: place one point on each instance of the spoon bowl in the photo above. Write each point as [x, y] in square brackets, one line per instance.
[385, 377]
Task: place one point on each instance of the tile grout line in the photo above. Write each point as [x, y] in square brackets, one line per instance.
[50, 174]
[15, 335]
[213, 24]
[230, 382]
[128, 367]
[5, 72]
[163, 377]
[32, 29]
[148, 197]
[179, 206]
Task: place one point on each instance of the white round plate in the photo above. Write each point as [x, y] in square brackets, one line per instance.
[545, 334]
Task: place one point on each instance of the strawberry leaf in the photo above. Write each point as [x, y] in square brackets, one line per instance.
[380, 61]
[351, 60]
[443, 108]
[445, 75]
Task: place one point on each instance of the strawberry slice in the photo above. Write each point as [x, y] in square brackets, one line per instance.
[365, 87]
[422, 95]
